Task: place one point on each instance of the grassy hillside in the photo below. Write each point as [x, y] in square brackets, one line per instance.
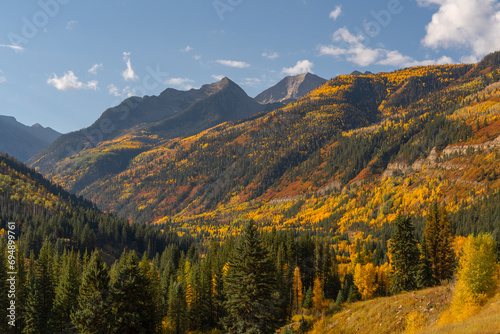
[414, 312]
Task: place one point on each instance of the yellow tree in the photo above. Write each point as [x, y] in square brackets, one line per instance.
[476, 277]
[298, 295]
[365, 278]
[318, 294]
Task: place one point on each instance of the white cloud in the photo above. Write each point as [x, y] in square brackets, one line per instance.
[270, 55]
[354, 51]
[71, 24]
[129, 91]
[302, 66]
[113, 90]
[197, 57]
[94, 68]
[2, 78]
[233, 63]
[334, 14]
[69, 81]
[179, 82]
[218, 77]
[128, 74]
[186, 49]
[473, 24]
[17, 48]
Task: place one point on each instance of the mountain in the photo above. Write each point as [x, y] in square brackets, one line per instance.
[348, 156]
[23, 141]
[138, 124]
[290, 88]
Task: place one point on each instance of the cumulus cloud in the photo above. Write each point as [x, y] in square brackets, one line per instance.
[179, 82]
[270, 55]
[128, 74]
[69, 81]
[252, 82]
[113, 90]
[351, 47]
[17, 48]
[2, 78]
[186, 49]
[473, 24]
[197, 57]
[302, 66]
[334, 14]
[129, 91]
[233, 63]
[95, 68]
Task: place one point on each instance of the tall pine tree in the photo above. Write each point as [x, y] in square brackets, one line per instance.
[249, 287]
[405, 256]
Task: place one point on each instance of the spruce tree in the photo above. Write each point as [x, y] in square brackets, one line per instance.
[93, 313]
[425, 277]
[132, 304]
[66, 300]
[439, 237]
[405, 256]
[249, 287]
[177, 308]
[41, 293]
[4, 288]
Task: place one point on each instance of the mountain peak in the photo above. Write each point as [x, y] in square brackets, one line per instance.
[290, 88]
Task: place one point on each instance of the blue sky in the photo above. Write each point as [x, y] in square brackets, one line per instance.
[63, 62]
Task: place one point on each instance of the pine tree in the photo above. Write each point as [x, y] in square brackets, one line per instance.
[21, 290]
[425, 277]
[308, 299]
[177, 308]
[249, 287]
[66, 300]
[132, 304]
[152, 291]
[405, 256]
[439, 237]
[93, 313]
[41, 293]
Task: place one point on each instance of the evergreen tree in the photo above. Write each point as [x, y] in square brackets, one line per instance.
[66, 300]
[425, 277]
[439, 237]
[93, 313]
[41, 293]
[249, 287]
[308, 299]
[405, 256]
[132, 305]
[177, 308]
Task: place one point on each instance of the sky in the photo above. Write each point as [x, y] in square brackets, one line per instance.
[64, 62]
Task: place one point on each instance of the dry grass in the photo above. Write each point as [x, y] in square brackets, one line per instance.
[386, 315]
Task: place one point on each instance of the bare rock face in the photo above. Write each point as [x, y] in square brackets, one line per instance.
[290, 89]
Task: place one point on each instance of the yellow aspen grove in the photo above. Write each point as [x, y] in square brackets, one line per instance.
[365, 279]
[297, 294]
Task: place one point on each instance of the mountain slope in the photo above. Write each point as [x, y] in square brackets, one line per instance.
[290, 88]
[23, 141]
[93, 153]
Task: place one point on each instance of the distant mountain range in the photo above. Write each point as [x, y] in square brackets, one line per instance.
[21, 141]
[290, 88]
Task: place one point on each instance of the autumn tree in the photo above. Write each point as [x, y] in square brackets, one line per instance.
[365, 278]
[297, 290]
[317, 300]
[405, 256]
[477, 278]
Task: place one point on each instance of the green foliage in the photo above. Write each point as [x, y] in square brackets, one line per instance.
[249, 287]
[405, 256]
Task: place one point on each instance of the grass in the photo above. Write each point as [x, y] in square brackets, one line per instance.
[386, 315]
